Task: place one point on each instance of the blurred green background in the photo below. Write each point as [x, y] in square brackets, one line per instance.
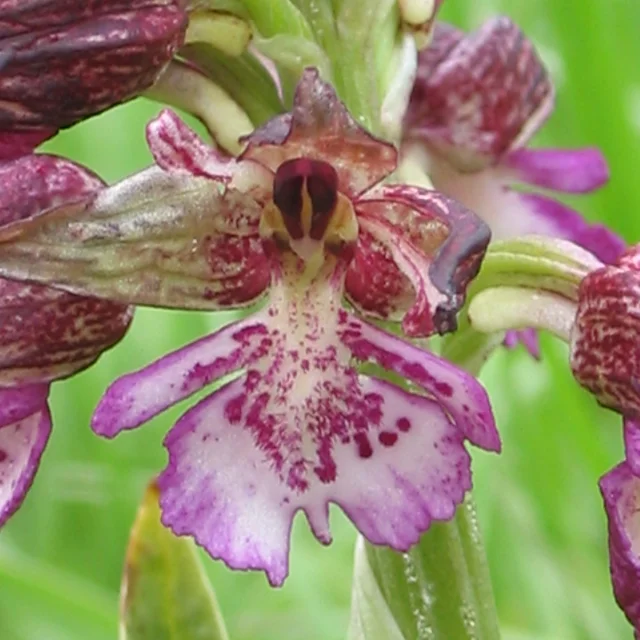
[61, 556]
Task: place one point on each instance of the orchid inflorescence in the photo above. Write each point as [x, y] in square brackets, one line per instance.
[348, 220]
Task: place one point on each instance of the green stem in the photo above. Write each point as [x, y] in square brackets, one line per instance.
[441, 588]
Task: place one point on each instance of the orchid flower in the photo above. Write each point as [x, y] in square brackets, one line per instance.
[596, 309]
[605, 353]
[477, 101]
[45, 334]
[620, 489]
[301, 219]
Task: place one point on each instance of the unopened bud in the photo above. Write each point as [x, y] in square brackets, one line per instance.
[64, 60]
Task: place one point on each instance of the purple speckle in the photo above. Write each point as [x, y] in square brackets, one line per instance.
[233, 410]
[363, 444]
[387, 438]
[444, 389]
[403, 424]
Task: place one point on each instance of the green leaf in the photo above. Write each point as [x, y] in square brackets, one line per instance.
[292, 54]
[165, 593]
[242, 77]
[439, 589]
[278, 16]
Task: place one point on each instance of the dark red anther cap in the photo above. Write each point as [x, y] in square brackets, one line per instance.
[321, 182]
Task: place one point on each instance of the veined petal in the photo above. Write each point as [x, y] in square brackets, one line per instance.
[632, 445]
[567, 170]
[21, 445]
[320, 127]
[621, 493]
[419, 319]
[46, 334]
[436, 243]
[511, 213]
[176, 147]
[528, 338]
[489, 95]
[157, 238]
[458, 392]
[375, 285]
[20, 402]
[563, 222]
[33, 184]
[138, 397]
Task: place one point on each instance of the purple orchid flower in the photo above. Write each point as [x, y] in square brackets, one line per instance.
[477, 101]
[302, 219]
[605, 357]
[621, 493]
[45, 334]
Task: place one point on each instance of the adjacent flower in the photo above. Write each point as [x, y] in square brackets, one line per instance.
[605, 345]
[45, 334]
[63, 61]
[306, 411]
[621, 492]
[477, 101]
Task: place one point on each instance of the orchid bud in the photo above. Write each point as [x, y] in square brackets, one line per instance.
[64, 60]
[605, 341]
[477, 96]
[418, 16]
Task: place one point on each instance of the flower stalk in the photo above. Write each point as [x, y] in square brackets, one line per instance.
[440, 588]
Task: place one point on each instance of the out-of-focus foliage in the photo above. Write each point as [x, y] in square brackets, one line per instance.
[165, 594]
[62, 555]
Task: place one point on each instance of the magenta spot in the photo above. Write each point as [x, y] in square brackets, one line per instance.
[3, 455]
[326, 473]
[233, 409]
[403, 424]
[363, 444]
[387, 438]
[444, 389]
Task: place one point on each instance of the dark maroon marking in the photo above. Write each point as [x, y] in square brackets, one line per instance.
[3, 455]
[444, 389]
[363, 444]
[322, 185]
[387, 438]
[403, 424]
[287, 195]
[323, 191]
